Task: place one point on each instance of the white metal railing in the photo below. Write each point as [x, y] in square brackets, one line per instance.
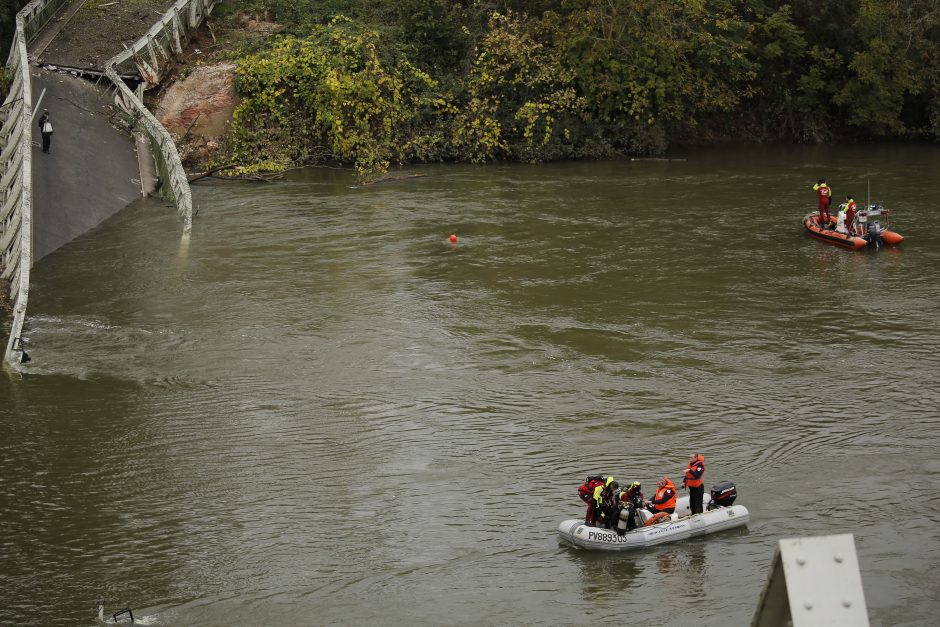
[149, 55]
[37, 14]
[16, 191]
[16, 185]
[174, 183]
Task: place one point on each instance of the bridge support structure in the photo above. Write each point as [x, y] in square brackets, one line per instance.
[16, 186]
[149, 56]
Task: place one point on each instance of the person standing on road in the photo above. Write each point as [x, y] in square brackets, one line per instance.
[45, 128]
[693, 481]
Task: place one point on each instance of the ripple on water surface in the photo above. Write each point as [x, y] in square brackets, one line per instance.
[318, 399]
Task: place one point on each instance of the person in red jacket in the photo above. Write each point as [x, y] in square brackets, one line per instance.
[824, 193]
[586, 494]
[693, 481]
[665, 498]
[850, 208]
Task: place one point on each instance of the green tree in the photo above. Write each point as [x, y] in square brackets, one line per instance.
[520, 98]
[650, 68]
[329, 96]
[8, 11]
[894, 68]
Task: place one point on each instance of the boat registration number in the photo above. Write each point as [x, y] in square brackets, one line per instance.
[605, 537]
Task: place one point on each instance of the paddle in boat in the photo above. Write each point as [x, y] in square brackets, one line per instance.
[869, 228]
[654, 529]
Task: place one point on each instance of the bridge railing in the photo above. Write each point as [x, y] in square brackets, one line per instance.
[37, 14]
[174, 182]
[150, 55]
[16, 192]
[16, 186]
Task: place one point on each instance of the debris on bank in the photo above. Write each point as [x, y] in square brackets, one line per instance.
[102, 29]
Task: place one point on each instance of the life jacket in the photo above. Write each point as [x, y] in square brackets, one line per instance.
[694, 472]
[601, 493]
[824, 191]
[665, 497]
[851, 208]
[586, 489]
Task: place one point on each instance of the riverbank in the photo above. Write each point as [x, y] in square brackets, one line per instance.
[375, 85]
[196, 101]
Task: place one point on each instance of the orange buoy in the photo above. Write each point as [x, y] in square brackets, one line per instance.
[656, 518]
[453, 238]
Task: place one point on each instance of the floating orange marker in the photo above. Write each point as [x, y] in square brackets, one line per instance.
[453, 238]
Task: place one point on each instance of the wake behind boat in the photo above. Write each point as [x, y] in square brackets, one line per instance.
[721, 514]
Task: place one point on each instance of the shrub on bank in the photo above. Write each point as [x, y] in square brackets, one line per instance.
[409, 80]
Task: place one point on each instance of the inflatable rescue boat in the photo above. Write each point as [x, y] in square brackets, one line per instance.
[721, 514]
[868, 228]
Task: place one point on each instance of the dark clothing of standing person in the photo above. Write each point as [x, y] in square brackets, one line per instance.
[600, 502]
[45, 128]
[693, 481]
[632, 499]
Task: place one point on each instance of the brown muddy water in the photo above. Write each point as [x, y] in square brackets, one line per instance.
[317, 411]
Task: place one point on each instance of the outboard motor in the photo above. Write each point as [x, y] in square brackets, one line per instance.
[723, 495]
[874, 234]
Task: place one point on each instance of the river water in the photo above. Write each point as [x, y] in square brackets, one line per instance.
[318, 411]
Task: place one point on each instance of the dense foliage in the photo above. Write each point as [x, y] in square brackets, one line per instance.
[376, 82]
[8, 11]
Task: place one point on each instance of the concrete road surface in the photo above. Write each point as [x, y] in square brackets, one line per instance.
[91, 170]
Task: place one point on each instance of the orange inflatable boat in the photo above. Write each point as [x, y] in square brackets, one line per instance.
[868, 228]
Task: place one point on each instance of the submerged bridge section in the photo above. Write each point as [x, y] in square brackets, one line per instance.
[92, 170]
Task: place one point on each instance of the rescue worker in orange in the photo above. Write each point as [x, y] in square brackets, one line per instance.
[693, 481]
[665, 498]
[824, 193]
[850, 208]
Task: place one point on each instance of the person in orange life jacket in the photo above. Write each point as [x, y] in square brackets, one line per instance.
[693, 481]
[824, 193]
[586, 494]
[850, 209]
[665, 498]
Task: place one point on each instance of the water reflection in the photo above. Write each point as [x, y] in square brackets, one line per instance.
[604, 576]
